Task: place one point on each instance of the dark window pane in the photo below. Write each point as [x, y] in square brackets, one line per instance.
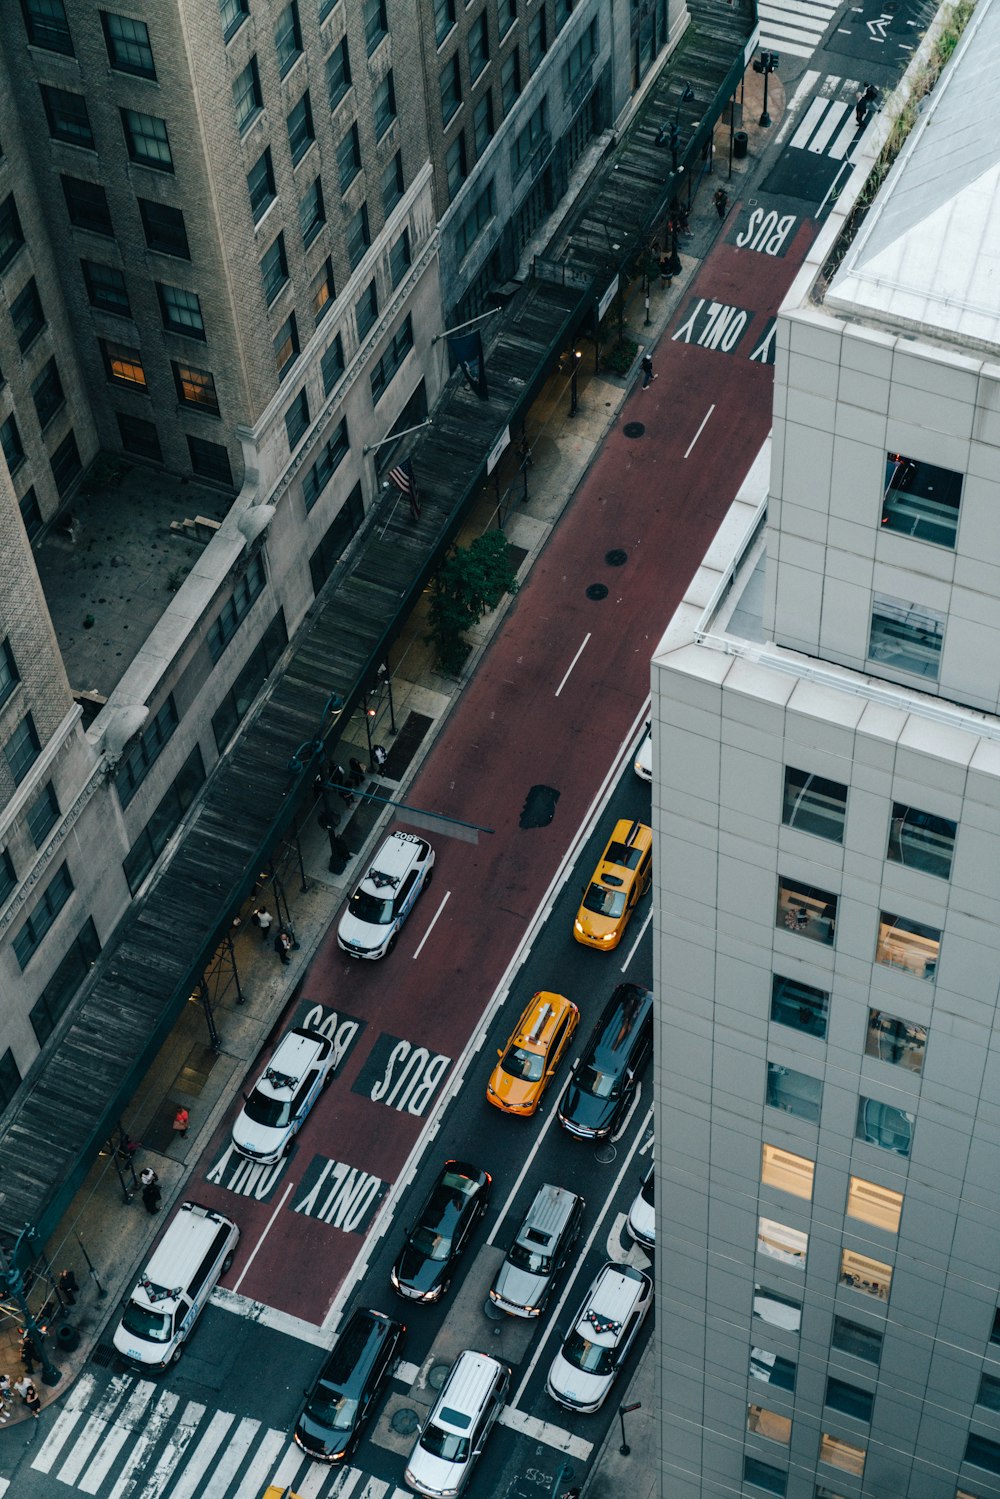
[55, 998]
[332, 364]
[764, 1475]
[358, 236]
[164, 228]
[300, 128]
[65, 463]
[27, 316]
[210, 460]
[397, 350]
[10, 1078]
[920, 840]
[31, 515]
[799, 1005]
[330, 458]
[46, 24]
[248, 101]
[983, 1453]
[139, 436]
[144, 751]
[146, 140]
[87, 205]
[312, 215]
[67, 116]
[856, 1339]
[906, 636]
[10, 442]
[995, 1329]
[367, 310]
[8, 879]
[338, 74]
[537, 41]
[881, 1124]
[288, 37]
[400, 260]
[128, 45]
[450, 84]
[274, 269]
[921, 500]
[260, 185]
[181, 311]
[336, 538]
[22, 749]
[9, 674]
[479, 46]
[11, 233]
[482, 123]
[772, 1369]
[510, 81]
[444, 19]
[385, 105]
[233, 13]
[348, 157]
[392, 184]
[297, 420]
[106, 287]
[31, 935]
[795, 1092]
[847, 1398]
[894, 1040]
[454, 165]
[234, 611]
[814, 805]
[376, 23]
[47, 393]
[251, 679]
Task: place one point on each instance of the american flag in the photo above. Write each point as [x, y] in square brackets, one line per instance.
[405, 481]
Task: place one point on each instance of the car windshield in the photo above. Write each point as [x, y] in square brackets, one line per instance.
[332, 1408]
[529, 1259]
[430, 1243]
[155, 1327]
[590, 1357]
[373, 910]
[445, 1444]
[273, 1113]
[600, 1084]
[527, 1065]
[647, 1190]
[604, 902]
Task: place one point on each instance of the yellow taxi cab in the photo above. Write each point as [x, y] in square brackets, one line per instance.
[623, 874]
[278, 1491]
[529, 1060]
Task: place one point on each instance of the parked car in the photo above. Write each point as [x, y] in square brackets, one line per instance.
[529, 1060]
[541, 1249]
[276, 1109]
[603, 1331]
[623, 875]
[641, 1215]
[457, 1202]
[343, 1396]
[456, 1429]
[643, 764]
[402, 868]
[597, 1097]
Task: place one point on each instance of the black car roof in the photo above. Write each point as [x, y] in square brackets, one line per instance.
[621, 1022]
[356, 1349]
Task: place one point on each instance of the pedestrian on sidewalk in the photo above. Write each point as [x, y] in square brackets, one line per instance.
[262, 919]
[283, 946]
[666, 279]
[68, 1287]
[180, 1124]
[29, 1350]
[647, 370]
[148, 1177]
[5, 1399]
[721, 200]
[29, 1395]
[379, 756]
[151, 1195]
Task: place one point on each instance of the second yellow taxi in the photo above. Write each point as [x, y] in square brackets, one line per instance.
[622, 876]
[529, 1060]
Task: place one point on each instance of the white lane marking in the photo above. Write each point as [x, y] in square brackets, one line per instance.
[5, 1484]
[236, 1450]
[634, 1256]
[172, 1453]
[375, 1488]
[810, 120]
[842, 144]
[64, 1423]
[704, 423]
[530, 1157]
[406, 1372]
[98, 1423]
[202, 1456]
[252, 1483]
[145, 1441]
[544, 1431]
[269, 1316]
[622, 1129]
[120, 1432]
[581, 1258]
[267, 1229]
[805, 87]
[575, 659]
[437, 913]
[639, 937]
[833, 117]
[291, 1460]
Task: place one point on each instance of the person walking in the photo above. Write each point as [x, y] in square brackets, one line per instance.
[5, 1399]
[647, 370]
[283, 946]
[68, 1287]
[262, 919]
[721, 200]
[180, 1124]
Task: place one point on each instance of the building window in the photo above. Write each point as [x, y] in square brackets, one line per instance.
[228, 716]
[399, 346]
[822, 1492]
[9, 674]
[799, 1006]
[348, 157]
[795, 1092]
[87, 206]
[65, 463]
[43, 814]
[769, 1424]
[564, 9]
[450, 84]
[8, 879]
[983, 1453]
[776, 1308]
[326, 8]
[260, 185]
[336, 538]
[11, 233]
[128, 46]
[139, 759]
[106, 287]
[248, 100]
[67, 116]
[274, 269]
[995, 1329]
[871, 1203]
[323, 291]
[581, 55]
[507, 15]
[54, 999]
[910, 945]
[27, 316]
[10, 441]
[849, 1400]
[300, 129]
[29, 939]
[181, 311]
[482, 123]
[30, 513]
[332, 364]
[510, 81]
[338, 74]
[482, 212]
[906, 636]
[779, 1242]
[236, 608]
[22, 749]
[861, 1273]
[46, 24]
[146, 139]
[392, 184]
[158, 831]
[10, 1078]
[842, 1454]
[989, 1392]
[210, 460]
[400, 261]
[358, 236]
[920, 840]
[286, 346]
[894, 1040]
[366, 310]
[479, 46]
[857, 1340]
[813, 804]
[444, 19]
[807, 910]
[164, 229]
[139, 436]
[921, 500]
[764, 1475]
[288, 38]
[881, 1124]
[233, 13]
[537, 42]
[531, 144]
[385, 105]
[123, 365]
[376, 23]
[297, 420]
[312, 214]
[331, 456]
[789, 1173]
[195, 388]
[454, 165]
[47, 393]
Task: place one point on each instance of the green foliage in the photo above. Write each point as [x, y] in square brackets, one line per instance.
[621, 356]
[469, 582]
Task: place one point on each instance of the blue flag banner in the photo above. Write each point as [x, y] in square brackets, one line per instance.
[467, 350]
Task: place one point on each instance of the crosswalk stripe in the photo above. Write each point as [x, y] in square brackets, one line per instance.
[95, 1429]
[62, 1427]
[795, 26]
[309, 1486]
[375, 1488]
[113, 1443]
[794, 10]
[844, 140]
[252, 1482]
[147, 1440]
[834, 114]
[169, 1459]
[202, 1455]
[291, 1461]
[811, 118]
[236, 1450]
[347, 1483]
[4, 1486]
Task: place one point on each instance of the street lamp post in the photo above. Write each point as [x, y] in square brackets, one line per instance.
[565, 1471]
[766, 63]
[573, 402]
[623, 1411]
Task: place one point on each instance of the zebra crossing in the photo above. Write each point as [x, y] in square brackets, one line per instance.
[828, 126]
[132, 1439]
[795, 26]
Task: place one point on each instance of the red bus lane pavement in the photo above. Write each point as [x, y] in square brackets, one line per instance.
[549, 706]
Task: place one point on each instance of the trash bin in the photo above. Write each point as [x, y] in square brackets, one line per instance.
[67, 1338]
[741, 142]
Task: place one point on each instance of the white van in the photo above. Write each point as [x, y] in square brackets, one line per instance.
[196, 1249]
[455, 1432]
[275, 1111]
[403, 866]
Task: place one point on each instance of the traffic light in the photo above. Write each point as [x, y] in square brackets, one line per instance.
[767, 62]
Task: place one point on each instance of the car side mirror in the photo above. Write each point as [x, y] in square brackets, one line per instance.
[499, 1051]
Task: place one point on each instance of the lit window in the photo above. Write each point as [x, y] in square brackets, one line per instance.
[894, 1040]
[814, 804]
[323, 291]
[769, 1424]
[123, 365]
[779, 1242]
[906, 636]
[795, 1092]
[790, 1173]
[196, 388]
[909, 945]
[807, 910]
[921, 500]
[873, 1204]
[778, 1309]
[799, 1006]
[861, 1273]
[920, 840]
[286, 346]
[842, 1454]
[881, 1124]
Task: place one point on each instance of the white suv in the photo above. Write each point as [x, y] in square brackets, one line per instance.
[385, 897]
[454, 1434]
[275, 1111]
[603, 1331]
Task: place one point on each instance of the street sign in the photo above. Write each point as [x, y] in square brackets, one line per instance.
[495, 452]
[607, 299]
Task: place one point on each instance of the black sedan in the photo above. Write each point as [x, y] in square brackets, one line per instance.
[347, 1387]
[458, 1200]
[596, 1100]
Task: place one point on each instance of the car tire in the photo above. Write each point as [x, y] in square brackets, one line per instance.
[227, 1263]
[428, 877]
[391, 943]
[176, 1355]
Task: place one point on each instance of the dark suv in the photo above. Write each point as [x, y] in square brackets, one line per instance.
[347, 1387]
[598, 1095]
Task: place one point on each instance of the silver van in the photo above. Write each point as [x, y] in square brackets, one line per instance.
[455, 1432]
[196, 1249]
[541, 1249]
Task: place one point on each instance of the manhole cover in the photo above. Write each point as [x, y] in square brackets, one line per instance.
[634, 429]
[617, 557]
[439, 1373]
[605, 1154]
[597, 591]
[404, 1421]
[539, 807]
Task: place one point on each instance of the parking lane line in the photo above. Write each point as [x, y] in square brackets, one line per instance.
[437, 913]
[531, 1156]
[267, 1229]
[700, 430]
[635, 944]
[575, 659]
